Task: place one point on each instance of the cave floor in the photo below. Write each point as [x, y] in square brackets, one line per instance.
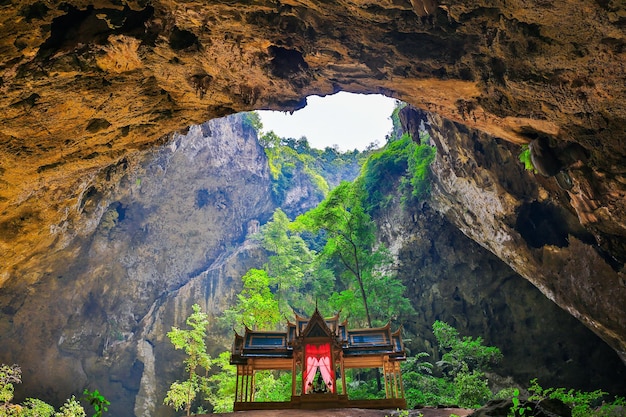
[349, 412]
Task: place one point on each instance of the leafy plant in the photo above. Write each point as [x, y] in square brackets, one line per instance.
[518, 410]
[419, 161]
[192, 341]
[253, 120]
[256, 305]
[9, 375]
[71, 408]
[459, 353]
[97, 401]
[471, 389]
[32, 407]
[524, 157]
[583, 404]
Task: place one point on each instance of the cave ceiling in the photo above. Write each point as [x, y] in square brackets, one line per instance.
[85, 85]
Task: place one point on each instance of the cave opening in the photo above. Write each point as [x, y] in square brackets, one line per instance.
[345, 121]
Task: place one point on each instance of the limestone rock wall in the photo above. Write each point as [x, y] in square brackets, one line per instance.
[531, 223]
[451, 278]
[163, 229]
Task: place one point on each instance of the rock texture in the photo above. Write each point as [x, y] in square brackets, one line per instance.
[451, 278]
[164, 230]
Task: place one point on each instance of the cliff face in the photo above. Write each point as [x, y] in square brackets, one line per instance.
[481, 193]
[451, 278]
[85, 86]
[161, 232]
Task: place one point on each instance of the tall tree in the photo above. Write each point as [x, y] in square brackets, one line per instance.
[192, 341]
[290, 260]
[350, 232]
[256, 306]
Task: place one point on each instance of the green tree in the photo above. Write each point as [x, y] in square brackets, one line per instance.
[463, 352]
[222, 384]
[270, 140]
[192, 341]
[289, 263]
[350, 233]
[256, 306]
[351, 247]
[253, 119]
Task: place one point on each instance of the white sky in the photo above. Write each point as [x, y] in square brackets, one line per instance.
[345, 119]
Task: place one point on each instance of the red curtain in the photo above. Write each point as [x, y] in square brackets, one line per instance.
[318, 357]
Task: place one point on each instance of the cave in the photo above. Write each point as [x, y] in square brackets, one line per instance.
[89, 90]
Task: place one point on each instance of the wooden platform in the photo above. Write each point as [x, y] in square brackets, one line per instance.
[321, 402]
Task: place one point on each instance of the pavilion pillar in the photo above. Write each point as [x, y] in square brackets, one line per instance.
[344, 388]
[393, 379]
[244, 388]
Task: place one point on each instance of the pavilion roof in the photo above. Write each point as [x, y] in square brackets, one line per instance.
[280, 344]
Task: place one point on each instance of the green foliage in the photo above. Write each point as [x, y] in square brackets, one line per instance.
[382, 170]
[471, 389]
[460, 353]
[401, 161]
[396, 131]
[583, 404]
[518, 410]
[253, 120]
[421, 387]
[269, 385]
[359, 263]
[285, 162]
[272, 386]
[289, 264]
[222, 384]
[192, 341]
[362, 384]
[9, 375]
[524, 157]
[97, 401]
[180, 395]
[419, 161]
[289, 157]
[464, 383]
[71, 408]
[34, 407]
[506, 393]
[256, 306]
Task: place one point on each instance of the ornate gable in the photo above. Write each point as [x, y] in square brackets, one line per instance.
[317, 327]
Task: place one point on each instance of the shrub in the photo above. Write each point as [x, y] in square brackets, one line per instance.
[524, 157]
[471, 389]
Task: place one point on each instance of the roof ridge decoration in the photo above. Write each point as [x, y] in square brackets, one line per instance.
[316, 320]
